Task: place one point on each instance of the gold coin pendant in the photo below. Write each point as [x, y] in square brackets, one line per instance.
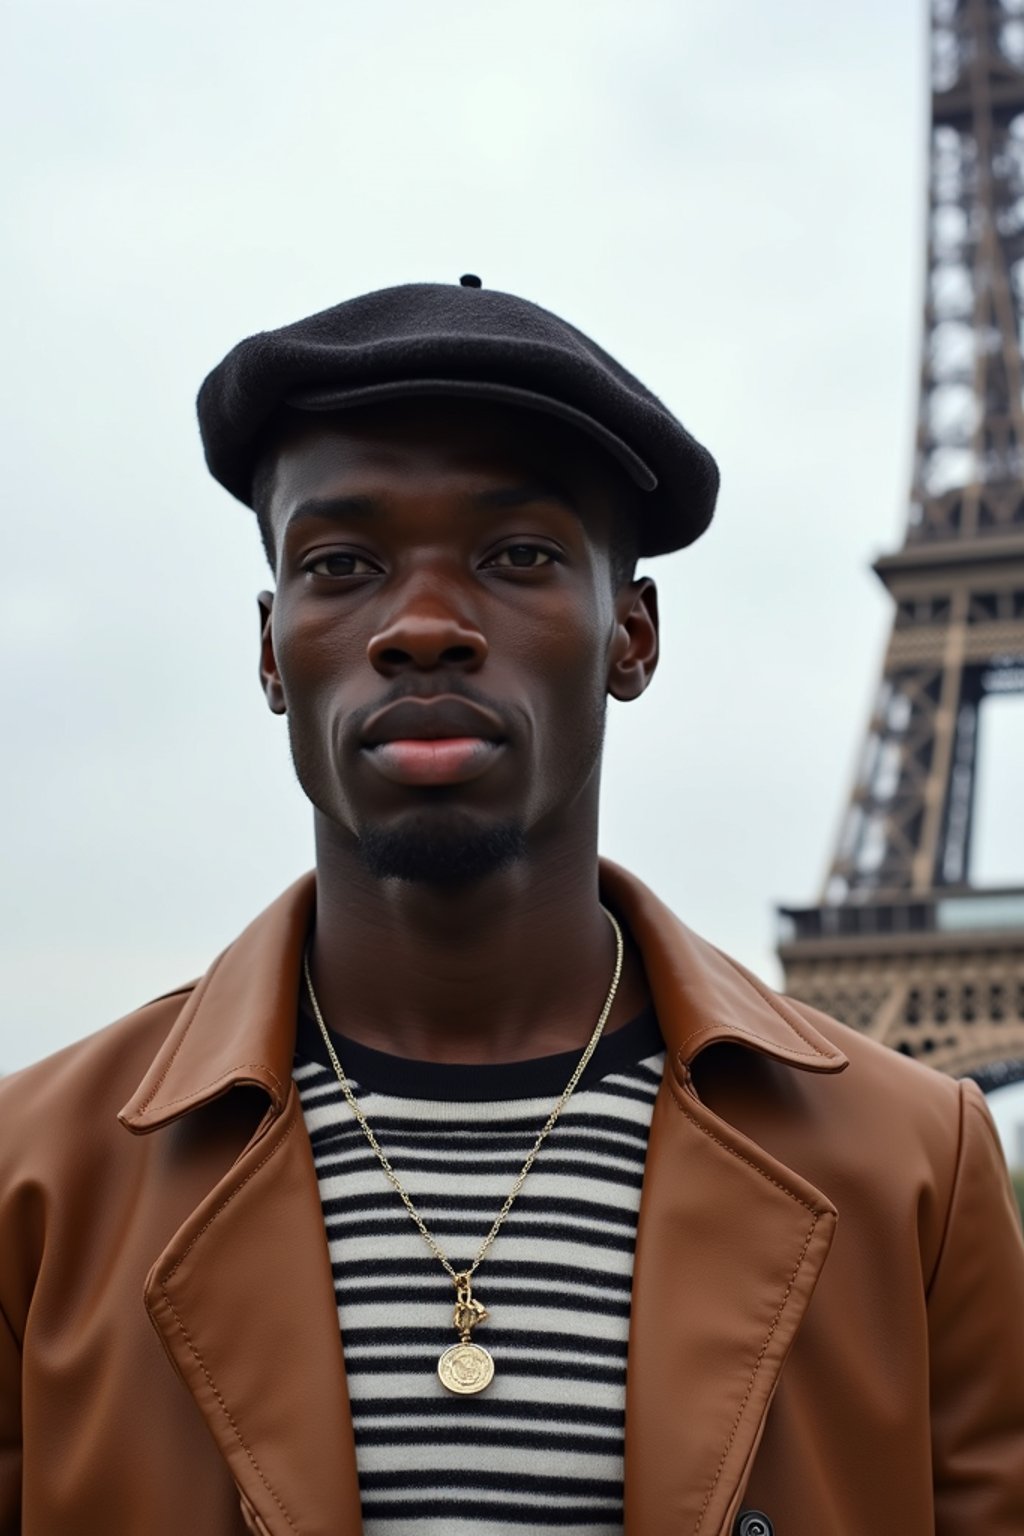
[465, 1368]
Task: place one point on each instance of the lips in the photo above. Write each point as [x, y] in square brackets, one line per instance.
[433, 742]
[432, 720]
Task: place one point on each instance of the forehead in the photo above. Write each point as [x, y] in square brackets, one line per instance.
[402, 446]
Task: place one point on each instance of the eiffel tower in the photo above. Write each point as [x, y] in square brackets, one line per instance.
[902, 944]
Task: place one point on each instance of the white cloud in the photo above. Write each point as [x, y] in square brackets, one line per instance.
[726, 194]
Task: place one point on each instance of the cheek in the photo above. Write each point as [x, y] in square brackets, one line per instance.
[314, 661]
[313, 656]
[571, 677]
[568, 652]
[556, 653]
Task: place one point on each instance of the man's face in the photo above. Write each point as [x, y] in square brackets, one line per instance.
[445, 632]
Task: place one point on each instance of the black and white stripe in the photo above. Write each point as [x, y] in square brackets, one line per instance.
[541, 1448]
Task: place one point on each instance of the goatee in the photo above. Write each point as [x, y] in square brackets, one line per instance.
[440, 855]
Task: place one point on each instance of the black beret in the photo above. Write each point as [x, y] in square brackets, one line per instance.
[440, 339]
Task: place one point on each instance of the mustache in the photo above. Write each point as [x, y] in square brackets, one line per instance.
[424, 689]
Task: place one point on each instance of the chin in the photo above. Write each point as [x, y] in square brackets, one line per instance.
[448, 852]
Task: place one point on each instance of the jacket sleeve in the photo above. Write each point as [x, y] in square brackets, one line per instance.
[10, 1431]
[976, 1329]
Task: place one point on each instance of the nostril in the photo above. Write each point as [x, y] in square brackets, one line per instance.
[423, 642]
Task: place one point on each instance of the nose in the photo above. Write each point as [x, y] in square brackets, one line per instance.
[426, 631]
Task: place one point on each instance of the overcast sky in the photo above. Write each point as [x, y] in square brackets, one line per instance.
[727, 195]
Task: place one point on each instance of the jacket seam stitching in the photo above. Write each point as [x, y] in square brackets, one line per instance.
[224, 1205]
[748, 1160]
[754, 1374]
[224, 1408]
[770, 1002]
[707, 1029]
[196, 995]
[815, 1217]
[191, 1345]
[240, 1066]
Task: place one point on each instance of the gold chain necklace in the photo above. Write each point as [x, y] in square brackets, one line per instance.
[467, 1367]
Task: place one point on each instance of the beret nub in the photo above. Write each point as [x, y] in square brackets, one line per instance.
[440, 339]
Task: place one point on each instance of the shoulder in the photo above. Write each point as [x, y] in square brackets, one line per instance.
[877, 1063]
[896, 1132]
[888, 1100]
[72, 1097]
[878, 1069]
[68, 1169]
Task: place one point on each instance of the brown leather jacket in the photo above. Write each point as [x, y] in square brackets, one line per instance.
[828, 1300]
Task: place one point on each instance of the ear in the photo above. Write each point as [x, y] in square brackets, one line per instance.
[270, 678]
[634, 650]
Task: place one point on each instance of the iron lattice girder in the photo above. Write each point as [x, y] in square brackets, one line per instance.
[958, 1006]
[958, 634]
[901, 945]
[971, 419]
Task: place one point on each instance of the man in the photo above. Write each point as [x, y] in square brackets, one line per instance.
[618, 1240]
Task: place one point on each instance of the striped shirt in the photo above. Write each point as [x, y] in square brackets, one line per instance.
[541, 1449]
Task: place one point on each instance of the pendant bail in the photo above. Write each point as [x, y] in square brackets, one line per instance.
[468, 1311]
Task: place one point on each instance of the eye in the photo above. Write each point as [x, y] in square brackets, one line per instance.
[341, 563]
[522, 557]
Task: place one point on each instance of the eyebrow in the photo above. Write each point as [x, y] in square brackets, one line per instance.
[500, 498]
[332, 508]
[522, 495]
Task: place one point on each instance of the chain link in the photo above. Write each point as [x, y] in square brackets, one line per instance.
[459, 1277]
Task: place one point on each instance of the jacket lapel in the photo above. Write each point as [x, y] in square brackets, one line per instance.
[729, 1246]
[243, 1297]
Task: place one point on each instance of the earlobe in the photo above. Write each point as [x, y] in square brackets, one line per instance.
[634, 651]
[270, 678]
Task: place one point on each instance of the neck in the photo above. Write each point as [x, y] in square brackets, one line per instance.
[507, 968]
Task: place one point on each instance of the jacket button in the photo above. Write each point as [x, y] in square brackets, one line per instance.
[753, 1523]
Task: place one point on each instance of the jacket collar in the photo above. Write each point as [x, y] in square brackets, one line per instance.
[701, 997]
[238, 1025]
[242, 1296]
